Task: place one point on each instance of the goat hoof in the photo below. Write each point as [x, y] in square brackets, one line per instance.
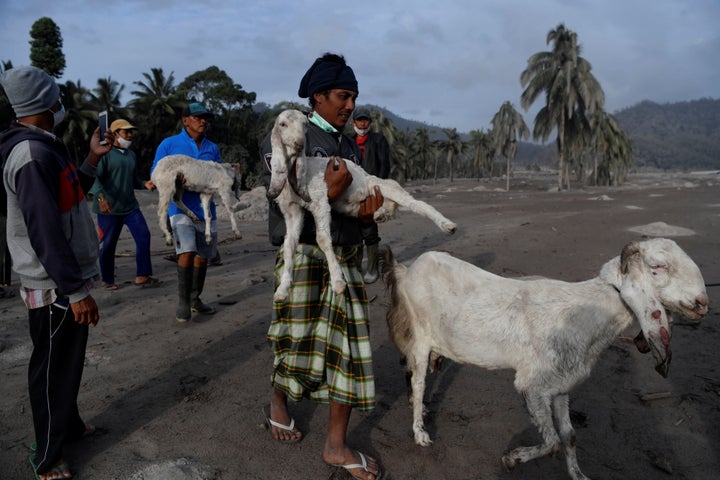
[279, 298]
[509, 463]
[449, 227]
[339, 287]
[423, 439]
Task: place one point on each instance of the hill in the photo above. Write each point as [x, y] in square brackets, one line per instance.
[683, 135]
[671, 136]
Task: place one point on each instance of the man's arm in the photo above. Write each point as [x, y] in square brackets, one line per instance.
[87, 170]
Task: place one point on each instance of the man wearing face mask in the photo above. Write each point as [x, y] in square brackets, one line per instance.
[375, 154]
[53, 243]
[115, 204]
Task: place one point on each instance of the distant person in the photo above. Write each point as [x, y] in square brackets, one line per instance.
[115, 204]
[54, 247]
[375, 153]
[321, 340]
[190, 247]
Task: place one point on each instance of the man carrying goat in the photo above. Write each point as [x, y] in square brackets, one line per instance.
[190, 246]
[321, 339]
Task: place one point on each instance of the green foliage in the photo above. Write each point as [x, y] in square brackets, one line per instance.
[46, 47]
[6, 111]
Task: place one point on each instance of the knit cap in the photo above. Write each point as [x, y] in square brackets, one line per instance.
[327, 73]
[30, 90]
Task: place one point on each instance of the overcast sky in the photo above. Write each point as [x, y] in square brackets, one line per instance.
[446, 63]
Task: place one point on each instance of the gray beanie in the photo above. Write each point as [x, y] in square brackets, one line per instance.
[30, 90]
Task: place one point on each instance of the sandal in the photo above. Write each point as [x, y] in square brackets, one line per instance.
[60, 470]
[363, 464]
[148, 282]
[109, 286]
[270, 423]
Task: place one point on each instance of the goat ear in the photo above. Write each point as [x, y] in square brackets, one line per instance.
[638, 293]
[276, 142]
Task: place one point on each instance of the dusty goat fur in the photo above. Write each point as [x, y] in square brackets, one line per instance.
[550, 332]
[207, 178]
[306, 189]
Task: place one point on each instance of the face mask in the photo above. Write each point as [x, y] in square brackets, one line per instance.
[59, 116]
[124, 143]
[361, 132]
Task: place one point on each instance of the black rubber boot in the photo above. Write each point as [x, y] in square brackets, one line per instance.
[359, 257]
[371, 272]
[198, 283]
[185, 282]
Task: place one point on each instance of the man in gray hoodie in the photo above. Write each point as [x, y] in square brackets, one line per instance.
[54, 247]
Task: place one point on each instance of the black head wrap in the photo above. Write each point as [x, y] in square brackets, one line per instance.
[328, 72]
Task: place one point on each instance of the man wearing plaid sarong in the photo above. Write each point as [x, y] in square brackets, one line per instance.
[321, 340]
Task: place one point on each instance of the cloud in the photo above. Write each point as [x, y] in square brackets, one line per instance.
[445, 63]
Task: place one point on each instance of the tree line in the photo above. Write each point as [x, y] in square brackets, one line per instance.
[591, 146]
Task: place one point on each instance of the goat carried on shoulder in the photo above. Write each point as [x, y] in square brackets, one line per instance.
[177, 173]
[549, 331]
[306, 189]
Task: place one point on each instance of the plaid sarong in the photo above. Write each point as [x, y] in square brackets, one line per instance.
[321, 340]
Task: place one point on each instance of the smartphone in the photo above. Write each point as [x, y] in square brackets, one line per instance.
[103, 123]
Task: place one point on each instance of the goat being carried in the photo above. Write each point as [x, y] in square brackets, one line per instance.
[306, 189]
[550, 332]
[176, 173]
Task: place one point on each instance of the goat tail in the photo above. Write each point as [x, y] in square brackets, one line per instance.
[391, 270]
[399, 317]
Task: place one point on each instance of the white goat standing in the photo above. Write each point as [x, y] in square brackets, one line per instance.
[205, 177]
[550, 332]
[306, 189]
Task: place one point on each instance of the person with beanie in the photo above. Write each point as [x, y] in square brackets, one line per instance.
[375, 154]
[190, 247]
[115, 204]
[53, 241]
[321, 340]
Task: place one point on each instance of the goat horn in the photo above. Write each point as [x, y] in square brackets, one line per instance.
[628, 251]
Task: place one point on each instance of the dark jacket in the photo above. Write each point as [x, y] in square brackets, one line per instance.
[51, 234]
[376, 160]
[345, 231]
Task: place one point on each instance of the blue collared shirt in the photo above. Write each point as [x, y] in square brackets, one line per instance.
[182, 143]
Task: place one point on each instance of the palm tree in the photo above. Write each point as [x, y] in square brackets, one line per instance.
[380, 123]
[106, 96]
[483, 153]
[508, 128]
[402, 157]
[80, 119]
[157, 112]
[451, 147]
[564, 77]
[613, 146]
[422, 148]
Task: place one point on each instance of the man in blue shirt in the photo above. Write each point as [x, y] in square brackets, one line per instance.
[192, 251]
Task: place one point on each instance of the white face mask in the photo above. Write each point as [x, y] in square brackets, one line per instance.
[124, 143]
[361, 132]
[59, 116]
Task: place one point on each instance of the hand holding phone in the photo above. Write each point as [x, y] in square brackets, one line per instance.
[103, 123]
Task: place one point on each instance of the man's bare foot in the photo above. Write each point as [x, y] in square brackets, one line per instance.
[357, 464]
[60, 470]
